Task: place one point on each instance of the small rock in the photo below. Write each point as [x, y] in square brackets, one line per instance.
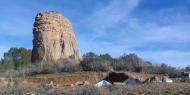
[79, 83]
[72, 85]
[86, 83]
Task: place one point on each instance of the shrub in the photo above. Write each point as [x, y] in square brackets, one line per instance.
[129, 62]
[187, 80]
[17, 60]
[119, 65]
[68, 65]
[45, 67]
[95, 66]
[93, 62]
[166, 70]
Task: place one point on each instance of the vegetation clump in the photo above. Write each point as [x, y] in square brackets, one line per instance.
[18, 60]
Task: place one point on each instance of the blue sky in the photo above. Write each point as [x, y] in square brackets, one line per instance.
[156, 30]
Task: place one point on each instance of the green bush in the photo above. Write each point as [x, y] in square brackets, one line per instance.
[16, 57]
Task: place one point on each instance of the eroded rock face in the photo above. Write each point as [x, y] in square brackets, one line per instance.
[54, 38]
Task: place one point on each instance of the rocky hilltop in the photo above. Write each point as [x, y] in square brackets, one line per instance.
[54, 38]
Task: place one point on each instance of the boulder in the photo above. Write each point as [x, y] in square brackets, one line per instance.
[167, 80]
[79, 83]
[54, 38]
[86, 83]
[154, 79]
[132, 81]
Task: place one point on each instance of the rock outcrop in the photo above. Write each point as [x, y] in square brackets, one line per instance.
[54, 38]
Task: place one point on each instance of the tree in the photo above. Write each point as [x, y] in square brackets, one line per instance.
[129, 62]
[90, 55]
[105, 57]
[94, 62]
[166, 70]
[17, 57]
[187, 69]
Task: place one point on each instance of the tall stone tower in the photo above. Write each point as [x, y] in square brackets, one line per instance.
[54, 38]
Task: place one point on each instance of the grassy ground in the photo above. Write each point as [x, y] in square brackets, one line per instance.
[145, 89]
[40, 85]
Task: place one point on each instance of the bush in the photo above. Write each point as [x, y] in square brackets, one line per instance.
[45, 67]
[129, 62]
[119, 65]
[163, 69]
[93, 62]
[68, 66]
[187, 80]
[18, 60]
[95, 66]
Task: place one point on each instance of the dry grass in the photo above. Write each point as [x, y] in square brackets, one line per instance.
[46, 67]
[15, 88]
[145, 89]
[52, 71]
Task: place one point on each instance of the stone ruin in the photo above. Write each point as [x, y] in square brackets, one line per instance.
[54, 38]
